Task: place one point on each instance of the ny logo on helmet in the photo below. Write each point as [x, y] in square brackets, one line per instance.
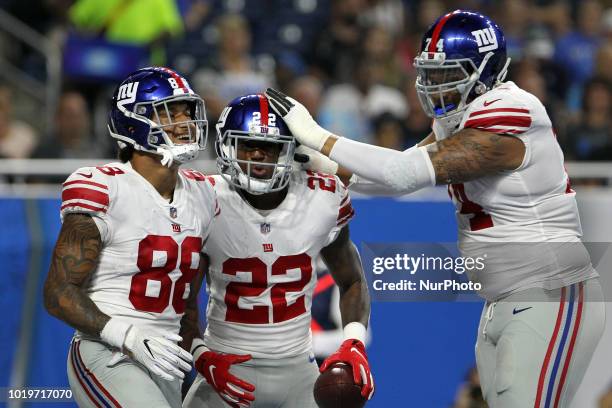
[486, 39]
[127, 93]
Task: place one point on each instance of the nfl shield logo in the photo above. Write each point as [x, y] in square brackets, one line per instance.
[173, 212]
[264, 227]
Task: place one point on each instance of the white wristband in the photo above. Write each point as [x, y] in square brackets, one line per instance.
[355, 330]
[198, 347]
[114, 333]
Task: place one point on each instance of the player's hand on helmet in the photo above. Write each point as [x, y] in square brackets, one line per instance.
[352, 352]
[215, 368]
[158, 352]
[316, 161]
[305, 129]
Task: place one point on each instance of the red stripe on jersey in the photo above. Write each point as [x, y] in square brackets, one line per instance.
[263, 108]
[82, 193]
[521, 121]
[83, 205]
[344, 199]
[485, 111]
[344, 210]
[346, 219]
[91, 183]
[436, 33]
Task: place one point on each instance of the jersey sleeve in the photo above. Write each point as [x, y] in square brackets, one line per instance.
[206, 188]
[88, 191]
[345, 211]
[500, 111]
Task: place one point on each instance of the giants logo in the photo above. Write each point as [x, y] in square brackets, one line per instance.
[127, 93]
[486, 39]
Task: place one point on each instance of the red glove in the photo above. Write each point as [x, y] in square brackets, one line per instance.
[215, 369]
[352, 352]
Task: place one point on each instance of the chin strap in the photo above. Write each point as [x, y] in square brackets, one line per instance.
[253, 185]
[179, 154]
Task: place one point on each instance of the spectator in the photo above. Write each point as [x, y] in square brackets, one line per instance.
[233, 70]
[591, 137]
[576, 50]
[389, 132]
[527, 76]
[71, 138]
[604, 61]
[348, 108]
[144, 23]
[417, 124]
[385, 13]
[309, 91]
[336, 49]
[379, 46]
[17, 139]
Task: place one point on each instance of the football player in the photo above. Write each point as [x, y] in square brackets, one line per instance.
[125, 268]
[493, 144]
[262, 249]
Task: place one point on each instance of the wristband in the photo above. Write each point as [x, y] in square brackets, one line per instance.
[355, 330]
[114, 332]
[198, 348]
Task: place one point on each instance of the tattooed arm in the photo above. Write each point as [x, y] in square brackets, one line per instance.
[190, 323]
[74, 259]
[470, 154]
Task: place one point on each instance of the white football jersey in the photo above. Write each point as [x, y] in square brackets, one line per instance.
[261, 274]
[150, 247]
[532, 204]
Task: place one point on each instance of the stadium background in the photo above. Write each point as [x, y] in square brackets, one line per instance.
[350, 62]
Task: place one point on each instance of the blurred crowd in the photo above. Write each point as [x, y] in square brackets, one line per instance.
[349, 61]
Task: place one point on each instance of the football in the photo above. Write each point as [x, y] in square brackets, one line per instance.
[335, 388]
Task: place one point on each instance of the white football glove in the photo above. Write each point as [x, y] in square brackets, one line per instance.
[158, 352]
[317, 161]
[305, 129]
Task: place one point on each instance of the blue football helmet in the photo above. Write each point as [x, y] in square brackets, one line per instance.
[463, 55]
[143, 101]
[249, 118]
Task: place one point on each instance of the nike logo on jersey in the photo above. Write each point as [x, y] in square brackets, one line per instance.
[487, 103]
[145, 341]
[517, 311]
[86, 175]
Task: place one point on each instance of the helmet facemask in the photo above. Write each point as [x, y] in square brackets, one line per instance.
[241, 172]
[191, 134]
[445, 87]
